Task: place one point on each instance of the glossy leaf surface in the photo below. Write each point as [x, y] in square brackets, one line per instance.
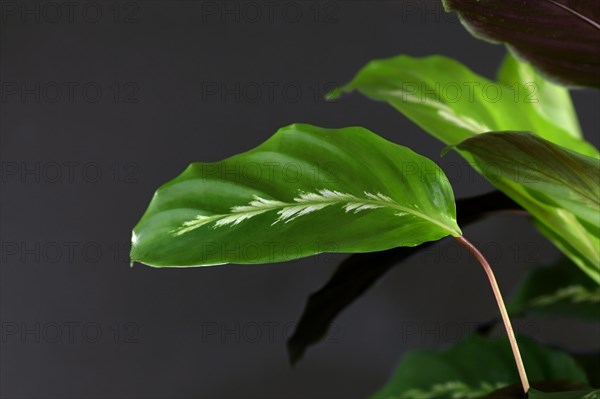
[473, 368]
[304, 191]
[557, 290]
[550, 100]
[453, 103]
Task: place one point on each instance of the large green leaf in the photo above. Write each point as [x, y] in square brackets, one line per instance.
[560, 37]
[557, 289]
[304, 191]
[421, 88]
[550, 100]
[453, 103]
[552, 175]
[473, 368]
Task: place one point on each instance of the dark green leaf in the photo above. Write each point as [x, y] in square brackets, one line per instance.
[474, 368]
[552, 175]
[558, 176]
[359, 271]
[577, 391]
[590, 362]
[560, 37]
[305, 191]
[559, 289]
[580, 394]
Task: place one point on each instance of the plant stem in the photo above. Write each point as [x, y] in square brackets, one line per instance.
[509, 330]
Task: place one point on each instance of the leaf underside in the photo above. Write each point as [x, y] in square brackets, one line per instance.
[562, 180]
[560, 37]
[359, 271]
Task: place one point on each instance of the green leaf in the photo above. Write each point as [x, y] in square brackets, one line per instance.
[553, 176]
[560, 37]
[545, 389]
[452, 103]
[452, 373]
[558, 289]
[421, 88]
[304, 191]
[581, 394]
[555, 104]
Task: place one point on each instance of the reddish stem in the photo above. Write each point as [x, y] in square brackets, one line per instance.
[509, 330]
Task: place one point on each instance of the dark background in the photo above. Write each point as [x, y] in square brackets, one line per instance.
[79, 168]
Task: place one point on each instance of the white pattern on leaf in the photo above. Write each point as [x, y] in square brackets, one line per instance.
[304, 204]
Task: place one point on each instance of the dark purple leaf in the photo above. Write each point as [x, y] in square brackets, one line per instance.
[560, 37]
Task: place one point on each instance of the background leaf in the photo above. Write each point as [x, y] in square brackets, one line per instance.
[557, 289]
[453, 103]
[562, 390]
[453, 373]
[556, 175]
[305, 191]
[580, 394]
[552, 175]
[421, 89]
[359, 271]
[560, 37]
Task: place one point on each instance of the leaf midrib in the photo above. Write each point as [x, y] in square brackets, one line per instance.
[280, 205]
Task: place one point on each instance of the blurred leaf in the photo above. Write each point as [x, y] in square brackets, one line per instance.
[590, 362]
[279, 202]
[558, 289]
[553, 174]
[560, 37]
[577, 391]
[580, 394]
[359, 271]
[474, 368]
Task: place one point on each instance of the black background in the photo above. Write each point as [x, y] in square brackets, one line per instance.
[193, 333]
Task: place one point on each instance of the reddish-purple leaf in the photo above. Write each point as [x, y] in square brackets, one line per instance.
[560, 37]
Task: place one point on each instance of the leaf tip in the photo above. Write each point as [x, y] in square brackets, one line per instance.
[295, 352]
[334, 94]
